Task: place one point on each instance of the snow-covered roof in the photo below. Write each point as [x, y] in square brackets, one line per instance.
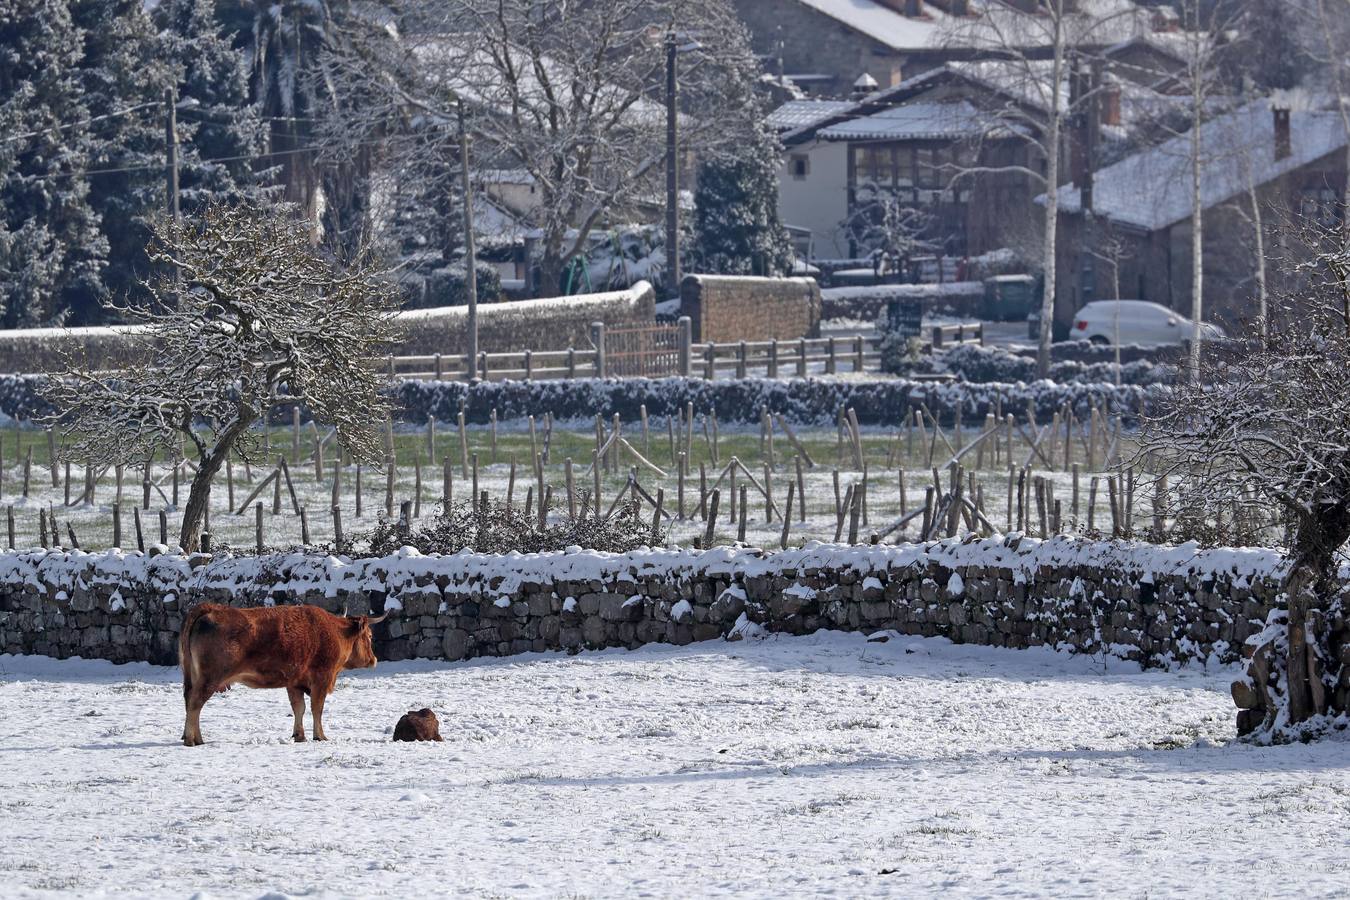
[805, 113]
[914, 121]
[992, 23]
[1152, 189]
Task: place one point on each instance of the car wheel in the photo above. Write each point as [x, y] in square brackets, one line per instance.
[1100, 340]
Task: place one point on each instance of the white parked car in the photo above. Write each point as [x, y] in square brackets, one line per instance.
[1137, 322]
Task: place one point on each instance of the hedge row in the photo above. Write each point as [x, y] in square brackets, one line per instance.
[807, 401]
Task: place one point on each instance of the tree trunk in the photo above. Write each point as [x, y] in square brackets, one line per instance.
[550, 273]
[194, 514]
[1051, 210]
[1300, 587]
[1197, 235]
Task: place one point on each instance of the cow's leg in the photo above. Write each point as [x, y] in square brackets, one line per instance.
[316, 697]
[318, 691]
[298, 710]
[195, 698]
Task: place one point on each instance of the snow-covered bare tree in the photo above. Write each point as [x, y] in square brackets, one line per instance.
[1266, 430]
[1207, 39]
[569, 93]
[1030, 56]
[880, 225]
[256, 318]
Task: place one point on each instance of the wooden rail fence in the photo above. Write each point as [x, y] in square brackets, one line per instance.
[653, 351]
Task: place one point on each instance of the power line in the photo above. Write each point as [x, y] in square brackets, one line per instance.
[219, 159]
[87, 121]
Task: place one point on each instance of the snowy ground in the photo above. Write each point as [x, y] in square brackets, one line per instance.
[788, 767]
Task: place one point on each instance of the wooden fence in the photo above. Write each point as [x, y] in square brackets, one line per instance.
[654, 351]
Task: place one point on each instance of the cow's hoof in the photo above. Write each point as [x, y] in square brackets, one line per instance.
[299, 738]
[319, 737]
[193, 742]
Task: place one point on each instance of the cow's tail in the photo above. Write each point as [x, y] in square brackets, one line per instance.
[194, 621]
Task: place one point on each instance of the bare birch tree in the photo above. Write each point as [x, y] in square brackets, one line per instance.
[248, 318]
[1267, 429]
[1034, 53]
[569, 93]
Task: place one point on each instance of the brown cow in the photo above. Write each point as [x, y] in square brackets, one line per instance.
[300, 648]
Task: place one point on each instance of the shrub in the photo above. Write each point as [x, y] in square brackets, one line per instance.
[494, 527]
[449, 287]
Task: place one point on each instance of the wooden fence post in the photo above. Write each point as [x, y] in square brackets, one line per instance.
[598, 340]
[685, 327]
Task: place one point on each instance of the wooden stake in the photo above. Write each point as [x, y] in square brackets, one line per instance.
[711, 519]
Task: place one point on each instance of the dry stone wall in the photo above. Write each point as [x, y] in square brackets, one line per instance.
[1152, 605]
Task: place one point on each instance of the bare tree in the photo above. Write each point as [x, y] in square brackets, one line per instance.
[1031, 58]
[1266, 430]
[249, 318]
[885, 228]
[569, 93]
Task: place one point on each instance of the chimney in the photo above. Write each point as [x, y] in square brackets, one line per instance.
[1284, 144]
[865, 85]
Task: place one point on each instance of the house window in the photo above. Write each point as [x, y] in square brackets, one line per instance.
[800, 165]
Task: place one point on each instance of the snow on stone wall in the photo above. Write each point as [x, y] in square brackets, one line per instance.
[552, 323]
[1153, 605]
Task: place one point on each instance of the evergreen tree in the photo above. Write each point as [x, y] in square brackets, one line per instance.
[125, 78]
[52, 254]
[220, 129]
[736, 225]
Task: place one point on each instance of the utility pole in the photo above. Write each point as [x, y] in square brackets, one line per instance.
[470, 255]
[672, 174]
[171, 153]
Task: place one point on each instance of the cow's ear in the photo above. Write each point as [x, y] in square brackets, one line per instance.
[355, 624]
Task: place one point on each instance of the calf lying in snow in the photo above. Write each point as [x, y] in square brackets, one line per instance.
[300, 648]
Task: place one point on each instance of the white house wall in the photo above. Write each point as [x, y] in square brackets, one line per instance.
[818, 202]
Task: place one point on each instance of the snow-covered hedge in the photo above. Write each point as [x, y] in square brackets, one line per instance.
[552, 323]
[868, 302]
[805, 401]
[995, 365]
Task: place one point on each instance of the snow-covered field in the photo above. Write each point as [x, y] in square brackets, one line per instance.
[94, 529]
[785, 767]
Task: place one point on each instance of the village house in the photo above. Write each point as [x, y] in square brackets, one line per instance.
[825, 46]
[953, 147]
[1130, 234]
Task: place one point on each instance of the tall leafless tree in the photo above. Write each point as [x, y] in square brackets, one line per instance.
[1266, 428]
[569, 93]
[248, 318]
[1031, 57]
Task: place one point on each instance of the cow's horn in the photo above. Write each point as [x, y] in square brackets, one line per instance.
[380, 618]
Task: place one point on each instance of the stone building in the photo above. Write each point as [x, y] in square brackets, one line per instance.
[1130, 236]
[953, 147]
[824, 46]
